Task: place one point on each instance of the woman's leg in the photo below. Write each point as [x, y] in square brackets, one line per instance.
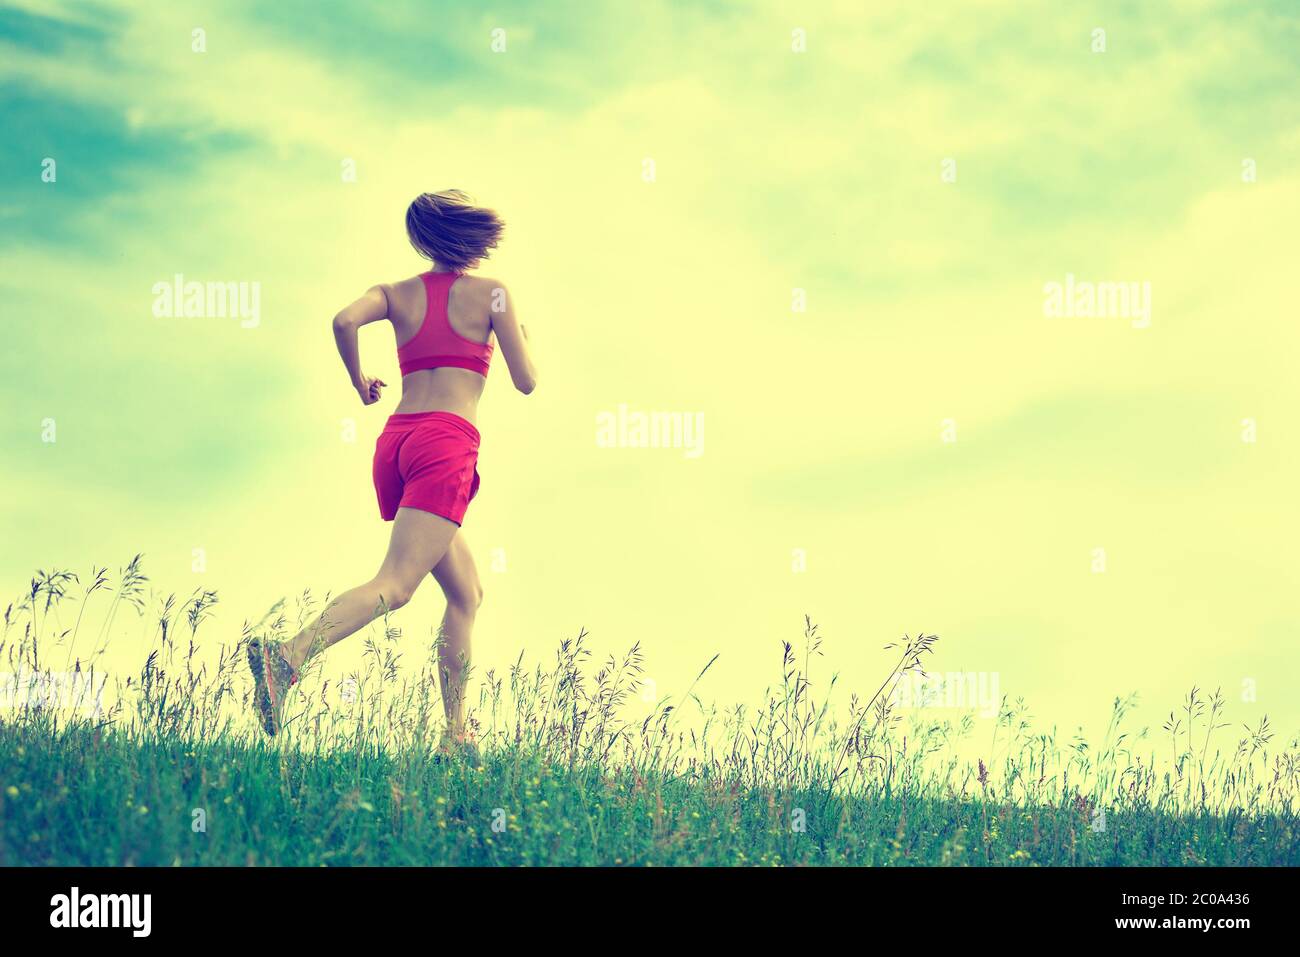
[459, 580]
[419, 541]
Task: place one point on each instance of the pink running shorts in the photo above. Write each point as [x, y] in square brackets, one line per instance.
[426, 460]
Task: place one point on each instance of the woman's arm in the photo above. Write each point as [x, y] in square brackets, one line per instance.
[513, 339]
[371, 307]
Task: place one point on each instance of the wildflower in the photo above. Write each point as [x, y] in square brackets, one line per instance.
[11, 791]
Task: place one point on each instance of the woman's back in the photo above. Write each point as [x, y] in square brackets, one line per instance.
[442, 324]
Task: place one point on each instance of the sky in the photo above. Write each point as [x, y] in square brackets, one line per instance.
[829, 237]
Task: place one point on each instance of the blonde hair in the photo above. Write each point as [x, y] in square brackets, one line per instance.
[449, 230]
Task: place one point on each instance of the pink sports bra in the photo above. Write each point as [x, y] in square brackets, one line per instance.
[436, 343]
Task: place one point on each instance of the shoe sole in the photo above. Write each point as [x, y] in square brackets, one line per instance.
[264, 691]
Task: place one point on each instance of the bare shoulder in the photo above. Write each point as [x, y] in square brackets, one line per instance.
[482, 286]
[487, 294]
[405, 296]
[403, 288]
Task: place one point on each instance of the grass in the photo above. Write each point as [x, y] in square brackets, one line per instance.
[173, 771]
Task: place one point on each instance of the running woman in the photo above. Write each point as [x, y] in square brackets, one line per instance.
[425, 465]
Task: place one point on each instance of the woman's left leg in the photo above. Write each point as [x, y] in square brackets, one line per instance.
[458, 576]
[419, 540]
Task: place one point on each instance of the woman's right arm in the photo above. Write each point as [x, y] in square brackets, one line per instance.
[512, 338]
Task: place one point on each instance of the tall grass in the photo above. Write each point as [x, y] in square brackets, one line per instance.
[571, 772]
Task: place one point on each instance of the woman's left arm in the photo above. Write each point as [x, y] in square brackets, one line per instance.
[371, 307]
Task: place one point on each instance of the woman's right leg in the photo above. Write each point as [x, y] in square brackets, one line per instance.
[460, 584]
[419, 541]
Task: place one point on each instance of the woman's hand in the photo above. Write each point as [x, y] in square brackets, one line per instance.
[369, 389]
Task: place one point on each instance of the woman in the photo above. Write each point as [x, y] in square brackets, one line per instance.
[425, 460]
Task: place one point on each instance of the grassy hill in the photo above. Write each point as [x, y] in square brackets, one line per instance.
[84, 797]
[172, 770]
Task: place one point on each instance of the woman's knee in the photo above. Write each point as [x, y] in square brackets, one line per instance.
[466, 599]
[394, 592]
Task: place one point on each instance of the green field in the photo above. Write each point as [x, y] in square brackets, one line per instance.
[173, 771]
